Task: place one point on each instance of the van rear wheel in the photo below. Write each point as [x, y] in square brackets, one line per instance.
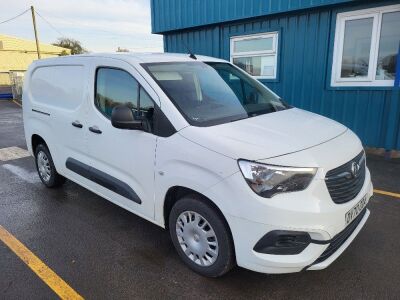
[46, 169]
[201, 237]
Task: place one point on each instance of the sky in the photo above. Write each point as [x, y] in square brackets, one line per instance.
[100, 25]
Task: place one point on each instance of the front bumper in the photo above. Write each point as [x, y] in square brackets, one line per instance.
[338, 244]
[250, 217]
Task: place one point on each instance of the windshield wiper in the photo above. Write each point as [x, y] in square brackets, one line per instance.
[238, 119]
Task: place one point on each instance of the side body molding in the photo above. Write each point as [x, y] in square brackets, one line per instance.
[103, 179]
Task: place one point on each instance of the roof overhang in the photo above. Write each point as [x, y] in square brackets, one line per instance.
[170, 15]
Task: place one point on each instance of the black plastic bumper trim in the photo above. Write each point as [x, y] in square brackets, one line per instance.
[282, 242]
[339, 239]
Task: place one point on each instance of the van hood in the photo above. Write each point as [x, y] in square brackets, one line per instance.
[267, 135]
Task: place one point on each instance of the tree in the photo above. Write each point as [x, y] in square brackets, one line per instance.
[75, 46]
[64, 53]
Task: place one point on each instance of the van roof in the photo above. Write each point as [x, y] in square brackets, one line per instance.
[135, 57]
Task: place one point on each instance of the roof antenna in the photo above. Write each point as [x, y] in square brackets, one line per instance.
[191, 54]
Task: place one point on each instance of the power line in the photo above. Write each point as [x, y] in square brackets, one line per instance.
[66, 21]
[55, 29]
[8, 20]
[95, 29]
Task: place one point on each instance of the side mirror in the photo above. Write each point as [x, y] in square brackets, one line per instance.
[122, 117]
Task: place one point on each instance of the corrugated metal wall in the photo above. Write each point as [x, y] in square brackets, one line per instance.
[177, 14]
[305, 55]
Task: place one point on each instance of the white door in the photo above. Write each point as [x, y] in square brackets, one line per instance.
[121, 161]
[69, 126]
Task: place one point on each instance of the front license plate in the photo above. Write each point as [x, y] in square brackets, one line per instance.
[355, 211]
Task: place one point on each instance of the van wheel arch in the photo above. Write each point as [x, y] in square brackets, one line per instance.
[36, 140]
[192, 200]
[177, 192]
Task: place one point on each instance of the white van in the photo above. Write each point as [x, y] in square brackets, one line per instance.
[197, 146]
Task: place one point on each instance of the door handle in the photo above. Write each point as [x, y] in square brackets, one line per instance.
[77, 124]
[95, 129]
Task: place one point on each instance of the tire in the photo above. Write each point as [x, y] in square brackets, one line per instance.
[192, 224]
[45, 167]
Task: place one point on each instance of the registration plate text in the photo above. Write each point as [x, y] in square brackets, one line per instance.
[355, 211]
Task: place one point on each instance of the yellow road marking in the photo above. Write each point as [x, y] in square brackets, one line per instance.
[59, 286]
[387, 193]
[17, 103]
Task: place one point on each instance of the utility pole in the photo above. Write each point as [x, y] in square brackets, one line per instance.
[34, 29]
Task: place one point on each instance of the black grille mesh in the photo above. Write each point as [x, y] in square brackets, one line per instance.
[342, 185]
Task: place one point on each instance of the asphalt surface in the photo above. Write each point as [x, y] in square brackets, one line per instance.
[105, 252]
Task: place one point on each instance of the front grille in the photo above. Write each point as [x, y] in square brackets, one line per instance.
[343, 183]
[340, 238]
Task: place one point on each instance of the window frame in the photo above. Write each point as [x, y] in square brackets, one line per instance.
[273, 52]
[370, 80]
[140, 86]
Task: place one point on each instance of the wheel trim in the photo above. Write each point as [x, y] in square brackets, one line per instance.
[197, 238]
[43, 166]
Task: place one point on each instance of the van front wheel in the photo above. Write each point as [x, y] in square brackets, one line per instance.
[201, 237]
[46, 169]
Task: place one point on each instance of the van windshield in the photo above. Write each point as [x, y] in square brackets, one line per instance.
[213, 93]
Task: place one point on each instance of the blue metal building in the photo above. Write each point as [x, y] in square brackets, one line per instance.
[333, 57]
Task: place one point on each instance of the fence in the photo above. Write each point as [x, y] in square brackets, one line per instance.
[11, 85]
[5, 86]
[17, 81]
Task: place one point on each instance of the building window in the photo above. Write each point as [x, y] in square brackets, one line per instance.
[256, 54]
[366, 47]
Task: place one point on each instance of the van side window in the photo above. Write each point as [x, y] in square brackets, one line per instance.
[146, 105]
[115, 87]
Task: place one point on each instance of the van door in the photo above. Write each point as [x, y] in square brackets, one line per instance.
[61, 91]
[121, 161]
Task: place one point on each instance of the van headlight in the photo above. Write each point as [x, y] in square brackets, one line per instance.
[268, 180]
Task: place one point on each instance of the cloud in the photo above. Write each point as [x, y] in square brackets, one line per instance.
[101, 25]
